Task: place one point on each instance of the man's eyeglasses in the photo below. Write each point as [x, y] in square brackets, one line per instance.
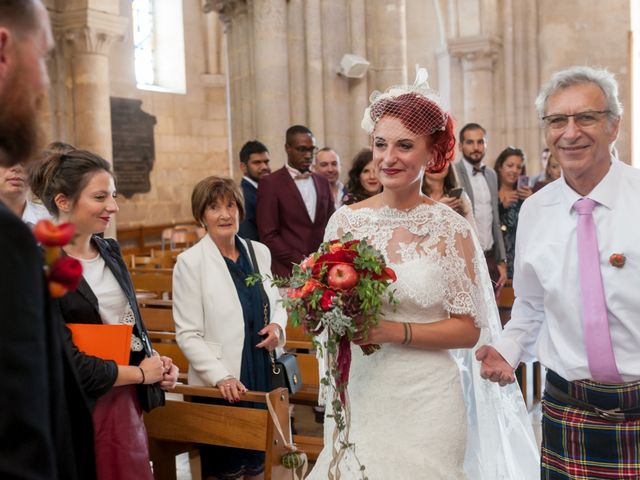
[303, 150]
[582, 119]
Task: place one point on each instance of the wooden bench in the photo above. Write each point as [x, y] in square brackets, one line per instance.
[158, 318]
[158, 282]
[182, 423]
[140, 239]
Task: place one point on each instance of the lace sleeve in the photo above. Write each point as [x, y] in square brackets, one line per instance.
[334, 228]
[461, 265]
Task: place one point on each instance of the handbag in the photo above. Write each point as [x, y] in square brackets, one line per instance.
[285, 371]
[150, 396]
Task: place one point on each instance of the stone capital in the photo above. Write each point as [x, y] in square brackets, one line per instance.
[90, 31]
[476, 53]
[226, 9]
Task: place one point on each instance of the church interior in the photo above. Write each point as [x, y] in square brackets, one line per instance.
[168, 91]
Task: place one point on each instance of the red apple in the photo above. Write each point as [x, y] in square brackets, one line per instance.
[342, 277]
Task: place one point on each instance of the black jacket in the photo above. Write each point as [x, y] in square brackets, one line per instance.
[97, 376]
[46, 431]
[249, 226]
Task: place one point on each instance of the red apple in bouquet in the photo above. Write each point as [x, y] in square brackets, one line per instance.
[342, 277]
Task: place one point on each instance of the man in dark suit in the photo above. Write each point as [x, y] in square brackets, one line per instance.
[481, 184]
[294, 204]
[45, 424]
[254, 163]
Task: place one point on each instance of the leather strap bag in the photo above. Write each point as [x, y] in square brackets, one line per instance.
[284, 369]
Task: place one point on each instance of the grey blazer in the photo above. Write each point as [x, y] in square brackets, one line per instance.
[492, 180]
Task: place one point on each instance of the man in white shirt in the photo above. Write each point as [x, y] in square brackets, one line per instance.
[576, 271]
[294, 204]
[327, 164]
[481, 184]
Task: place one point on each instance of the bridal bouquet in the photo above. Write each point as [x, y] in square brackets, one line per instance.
[339, 289]
[334, 293]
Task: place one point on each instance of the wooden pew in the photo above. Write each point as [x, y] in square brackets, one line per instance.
[161, 327]
[140, 239]
[158, 281]
[181, 423]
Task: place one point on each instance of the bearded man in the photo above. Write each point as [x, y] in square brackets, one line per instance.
[45, 425]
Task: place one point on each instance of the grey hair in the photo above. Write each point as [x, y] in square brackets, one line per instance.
[579, 75]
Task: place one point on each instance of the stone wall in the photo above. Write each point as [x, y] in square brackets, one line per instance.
[191, 131]
[488, 59]
[191, 138]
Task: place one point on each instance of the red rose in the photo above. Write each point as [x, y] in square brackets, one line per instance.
[330, 259]
[67, 273]
[52, 235]
[617, 260]
[327, 299]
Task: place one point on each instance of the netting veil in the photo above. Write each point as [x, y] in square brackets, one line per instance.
[400, 100]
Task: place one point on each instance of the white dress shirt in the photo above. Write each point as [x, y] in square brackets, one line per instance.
[34, 212]
[307, 189]
[482, 208]
[251, 181]
[546, 320]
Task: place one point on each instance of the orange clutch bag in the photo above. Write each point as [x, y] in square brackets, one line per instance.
[109, 342]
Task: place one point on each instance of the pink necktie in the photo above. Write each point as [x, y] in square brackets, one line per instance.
[602, 362]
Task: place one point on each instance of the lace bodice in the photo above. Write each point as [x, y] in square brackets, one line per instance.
[431, 249]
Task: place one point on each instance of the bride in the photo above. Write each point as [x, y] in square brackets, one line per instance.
[419, 409]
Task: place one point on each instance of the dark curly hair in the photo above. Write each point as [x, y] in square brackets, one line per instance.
[355, 190]
[506, 153]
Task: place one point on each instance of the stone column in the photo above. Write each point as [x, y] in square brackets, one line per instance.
[271, 75]
[234, 15]
[315, 68]
[89, 35]
[297, 72]
[478, 56]
[358, 88]
[389, 37]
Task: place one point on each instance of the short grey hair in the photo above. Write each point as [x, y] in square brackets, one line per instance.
[579, 75]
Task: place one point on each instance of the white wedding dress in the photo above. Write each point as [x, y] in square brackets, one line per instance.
[427, 414]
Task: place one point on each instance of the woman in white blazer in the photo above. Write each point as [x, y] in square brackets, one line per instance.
[220, 324]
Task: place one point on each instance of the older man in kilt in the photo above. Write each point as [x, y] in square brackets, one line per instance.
[578, 303]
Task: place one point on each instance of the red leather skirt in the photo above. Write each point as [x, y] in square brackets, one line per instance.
[121, 445]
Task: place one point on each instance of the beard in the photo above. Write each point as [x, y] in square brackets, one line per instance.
[19, 127]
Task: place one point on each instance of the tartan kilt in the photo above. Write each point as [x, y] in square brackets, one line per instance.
[580, 445]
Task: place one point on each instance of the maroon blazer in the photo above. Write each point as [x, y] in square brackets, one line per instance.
[283, 222]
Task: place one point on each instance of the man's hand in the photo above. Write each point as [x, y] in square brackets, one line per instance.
[494, 366]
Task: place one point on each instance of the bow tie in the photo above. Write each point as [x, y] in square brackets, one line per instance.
[302, 176]
[477, 170]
